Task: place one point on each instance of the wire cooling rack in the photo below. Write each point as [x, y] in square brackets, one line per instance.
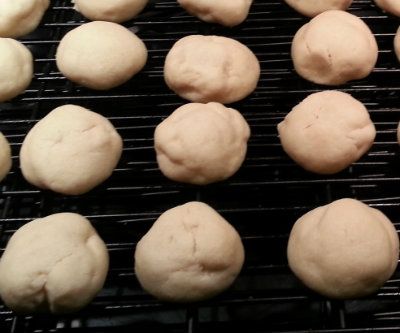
[262, 201]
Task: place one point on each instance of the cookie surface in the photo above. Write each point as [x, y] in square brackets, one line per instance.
[112, 11]
[228, 13]
[312, 8]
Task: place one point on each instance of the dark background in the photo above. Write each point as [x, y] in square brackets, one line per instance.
[262, 201]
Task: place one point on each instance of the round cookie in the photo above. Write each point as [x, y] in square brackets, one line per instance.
[112, 11]
[398, 133]
[228, 13]
[201, 143]
[16, 68]
[211, 69]
[312, 8]
[390, 6]
[333, 48]
[190, 254]
[100, 55]
[343, 250]
[21, 17]
[5, 157]
[70, 151]
[397, 44]
[57, 264]
[327, 132]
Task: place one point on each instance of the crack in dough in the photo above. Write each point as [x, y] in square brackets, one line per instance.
[333, 48]
[327, 132]
[57, 264]
[205, 259]
[70, 151]
[344, 249]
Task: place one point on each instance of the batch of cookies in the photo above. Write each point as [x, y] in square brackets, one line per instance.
[191, 253]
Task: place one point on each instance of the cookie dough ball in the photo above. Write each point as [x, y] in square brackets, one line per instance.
[312, 8]
[333, 48]
[390, 6]
[57, 264]
[327, 132]
[16, 68]
[228, 13]
[397, 44]
[190, 254]
[343, 250]
[100, 55]
[201, 143]
[211, 69]
[5, 157]
[398, 133]
[70, 151]
[112, 11]
[21, 17]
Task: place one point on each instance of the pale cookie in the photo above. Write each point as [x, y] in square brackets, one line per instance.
[390, 6]
[201, 143]
[70, 151]
[327, 132]
[112, 11]
[57, 264]
[333, 48]
[398, 133]
[228, 13]
[21, 17]
[343, 250]
[211, 69]
[16, 68]
[397, 44]
[100, 55]
[5, 157]
[190, 254]
[312, 8]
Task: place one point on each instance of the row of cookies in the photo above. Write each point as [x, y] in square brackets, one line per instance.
[191, 253]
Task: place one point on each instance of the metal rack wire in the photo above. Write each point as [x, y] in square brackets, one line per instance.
[262, 201]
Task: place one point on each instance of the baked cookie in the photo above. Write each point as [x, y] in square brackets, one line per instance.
[112, 11]
[333, 48]
[70, 151]
[228, 13]
[327, 132]
[57, 263]
[190, 254]
[312, 8]
[5, 157]
[21, 17]
[201, 143]
[390, 6]
[100, 55]
[343, 250]
[211, 69]
[16, 68]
